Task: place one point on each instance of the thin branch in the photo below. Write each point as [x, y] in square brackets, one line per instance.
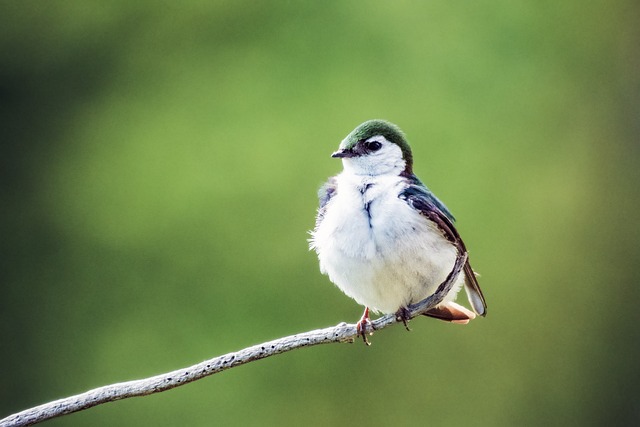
[342, 332]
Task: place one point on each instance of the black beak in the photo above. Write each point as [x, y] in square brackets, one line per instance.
[344, 153]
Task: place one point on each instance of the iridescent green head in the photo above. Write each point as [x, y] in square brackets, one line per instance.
[376, 147]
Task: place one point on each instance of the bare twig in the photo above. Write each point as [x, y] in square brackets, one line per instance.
[342, 332]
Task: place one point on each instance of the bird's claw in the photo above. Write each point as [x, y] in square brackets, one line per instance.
[363, 324]
[403, 314]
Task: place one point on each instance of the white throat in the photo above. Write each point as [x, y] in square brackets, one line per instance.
[386, 161]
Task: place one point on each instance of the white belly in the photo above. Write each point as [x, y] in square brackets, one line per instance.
[384, 258]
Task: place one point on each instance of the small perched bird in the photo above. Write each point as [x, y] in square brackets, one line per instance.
[382, 236]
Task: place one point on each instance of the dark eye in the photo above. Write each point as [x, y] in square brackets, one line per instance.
[373, 145]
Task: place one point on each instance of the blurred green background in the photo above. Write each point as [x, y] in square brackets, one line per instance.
[159, 168]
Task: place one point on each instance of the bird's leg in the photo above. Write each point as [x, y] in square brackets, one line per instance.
[362, 325]
[403, 314]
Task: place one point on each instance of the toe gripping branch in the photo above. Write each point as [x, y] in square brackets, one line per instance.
[363, 324]
[404, 315]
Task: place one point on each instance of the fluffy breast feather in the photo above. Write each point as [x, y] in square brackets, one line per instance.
[376, 248]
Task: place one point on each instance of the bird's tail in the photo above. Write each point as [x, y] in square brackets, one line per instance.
[451, 312]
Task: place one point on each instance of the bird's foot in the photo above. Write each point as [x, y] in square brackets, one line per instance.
[363, 324]
[403, 314]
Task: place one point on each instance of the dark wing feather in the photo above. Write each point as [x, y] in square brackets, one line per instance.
[417, 189]
[325, 193]
[421, 199]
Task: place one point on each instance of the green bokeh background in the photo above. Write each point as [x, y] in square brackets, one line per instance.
[159, 165]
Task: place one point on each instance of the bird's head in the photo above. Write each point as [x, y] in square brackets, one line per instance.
[376, 147]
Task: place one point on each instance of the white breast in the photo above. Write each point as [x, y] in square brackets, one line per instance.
[379, 250]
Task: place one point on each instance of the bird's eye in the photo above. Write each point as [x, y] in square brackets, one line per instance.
[373, 145]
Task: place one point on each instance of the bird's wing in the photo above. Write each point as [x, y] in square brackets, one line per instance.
[421, 199]
[419, 190]
[325, 193]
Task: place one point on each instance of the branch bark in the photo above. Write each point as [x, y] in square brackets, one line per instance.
[342, 332]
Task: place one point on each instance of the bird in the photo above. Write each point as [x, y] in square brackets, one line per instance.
[383, 237]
